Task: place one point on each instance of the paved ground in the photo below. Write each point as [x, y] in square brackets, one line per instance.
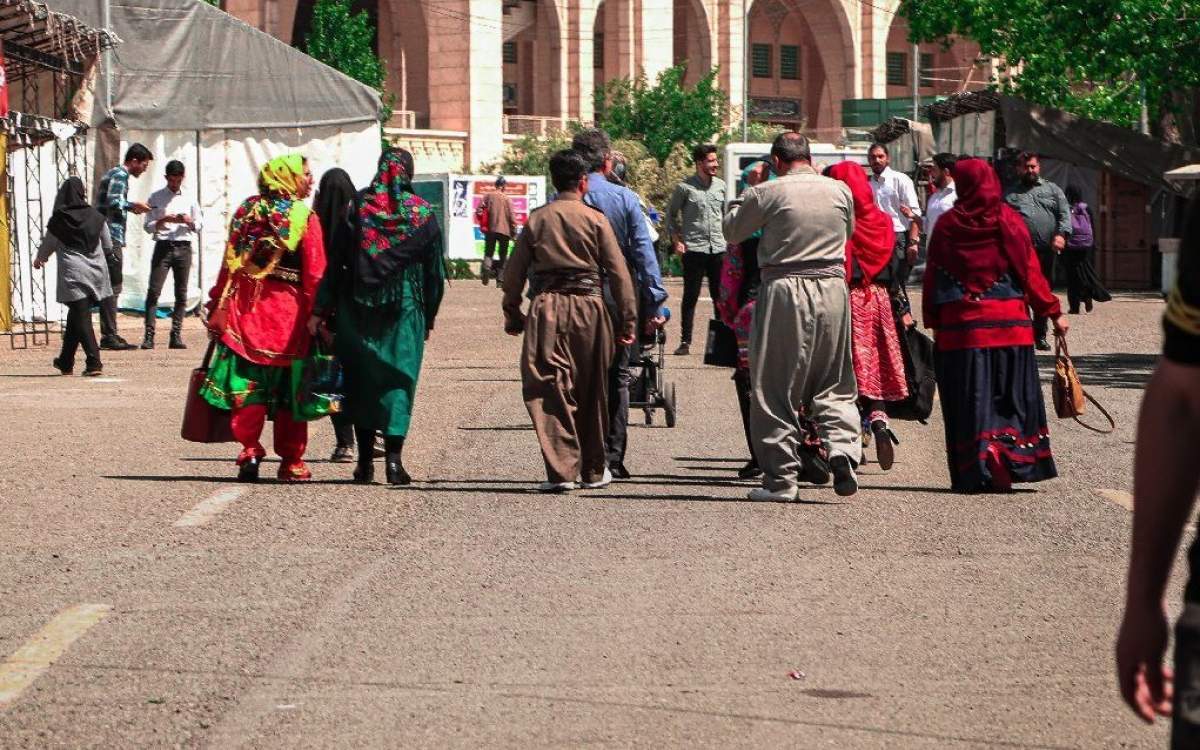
[467, 611]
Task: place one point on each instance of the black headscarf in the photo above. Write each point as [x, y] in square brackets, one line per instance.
[75, 223]
[333, 205]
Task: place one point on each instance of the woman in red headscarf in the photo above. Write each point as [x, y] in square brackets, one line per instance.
[878, 363]
[981, 275]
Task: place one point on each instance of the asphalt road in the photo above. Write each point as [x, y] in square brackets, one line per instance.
[468, 611]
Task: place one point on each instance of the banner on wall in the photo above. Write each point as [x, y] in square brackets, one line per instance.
[461, 194]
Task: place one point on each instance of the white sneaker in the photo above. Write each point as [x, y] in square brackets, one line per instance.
[604, 481]
[556, 487]
[763, 495]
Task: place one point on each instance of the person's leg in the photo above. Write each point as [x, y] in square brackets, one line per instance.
[1040, 324]
[712, 271]
[291, 440]
[246, 423]
[741, 384]
[778, 346]
[590, 347]
[160, 266]
[693, 278]
[87, 337]
[489, 249]
[830, 385]
[547, 387]
[108, 306]
[181, 267]
[65, 361]
[619, 378]
[501, 253]
[394, 460]
[1072, 264]
[364, 472]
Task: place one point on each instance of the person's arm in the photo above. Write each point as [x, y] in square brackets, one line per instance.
[49, 246]
[1062, 213]
[620, 283]
[516, 269]
[744, 217]
[674, 206]
[434, 276]
[1166, 479]
[645, 260]
[508, 212]
[114, 197]
[312, 263]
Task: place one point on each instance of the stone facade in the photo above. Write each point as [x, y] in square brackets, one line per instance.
[462, 65]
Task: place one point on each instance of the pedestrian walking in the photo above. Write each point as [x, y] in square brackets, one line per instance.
[1047, 216]
[1166, 477]
[274, 259]
[896, 196]
[694, 216]
[800, 344]
[622, 208]
[981, 274]
[1083, 284]
[383, 293]
[79, 235]
[941, 175]
[568, 347]
[501, 228]
[334, 205]
[173, 219]
[878, 362]
[113, 201]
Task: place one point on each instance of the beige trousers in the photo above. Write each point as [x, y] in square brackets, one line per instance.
[801, 356]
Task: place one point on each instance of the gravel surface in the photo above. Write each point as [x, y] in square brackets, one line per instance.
[469, 611]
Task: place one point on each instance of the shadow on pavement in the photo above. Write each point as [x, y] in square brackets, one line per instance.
[226, 479]
[1114, 370]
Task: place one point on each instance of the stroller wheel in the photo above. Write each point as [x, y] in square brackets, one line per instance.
[669, 403]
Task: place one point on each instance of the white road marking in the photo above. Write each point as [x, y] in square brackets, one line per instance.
[1119, 497]
[207, 509]
[32, 659]
[106, 380]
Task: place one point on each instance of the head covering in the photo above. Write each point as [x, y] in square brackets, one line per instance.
[74, 223]
[270, 224]
[398, 226]
[333, 205]
[872, 244]
[981, 238]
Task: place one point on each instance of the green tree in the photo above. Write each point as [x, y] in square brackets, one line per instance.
[1097, 58]
[665, 114]
[343, 40]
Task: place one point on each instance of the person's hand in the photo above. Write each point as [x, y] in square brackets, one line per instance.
[314, 324]
[653, 324]
[1146, 685]
[679, 247]
[907, 320]
[627, 339]
[1061, 325]
[37, 263]
[188, 220]
[1058, 243]
[138, 207]
[906, 212]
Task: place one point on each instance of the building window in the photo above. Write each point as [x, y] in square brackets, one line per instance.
[789, 62]
[897, 69]
[510, 53]
[926, 70]
[598, 51]
[760, 60]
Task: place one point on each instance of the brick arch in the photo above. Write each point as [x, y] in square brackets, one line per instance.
[692, 40]
[540, 71]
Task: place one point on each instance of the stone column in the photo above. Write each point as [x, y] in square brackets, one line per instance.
[731, 50]
[466, 75]
[655, 38]
[580, 23]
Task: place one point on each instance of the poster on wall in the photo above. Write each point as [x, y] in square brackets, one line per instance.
[464, 240]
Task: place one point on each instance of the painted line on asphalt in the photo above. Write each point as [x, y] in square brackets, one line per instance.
[1118, 497]
[32, 659]
[106, 380]
[208, 509]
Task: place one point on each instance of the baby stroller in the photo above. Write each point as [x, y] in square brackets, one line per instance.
[650, 391]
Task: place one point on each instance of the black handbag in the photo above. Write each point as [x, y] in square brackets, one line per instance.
[917, 350]
[720, 346]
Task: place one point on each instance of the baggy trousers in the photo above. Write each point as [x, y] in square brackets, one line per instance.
[801, 356]
[567, 351]
[291, 436]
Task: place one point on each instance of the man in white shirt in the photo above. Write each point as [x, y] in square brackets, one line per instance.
[172, 219]
[944, 197]
[896, 196]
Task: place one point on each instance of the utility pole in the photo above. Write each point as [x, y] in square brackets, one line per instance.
[746, 70]
[916, 82]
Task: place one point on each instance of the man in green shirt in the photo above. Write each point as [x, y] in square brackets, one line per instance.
[698, 237]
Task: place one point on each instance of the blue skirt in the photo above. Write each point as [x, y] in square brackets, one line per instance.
[993, 397]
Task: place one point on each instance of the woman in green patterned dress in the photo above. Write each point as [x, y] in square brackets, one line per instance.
[383, 299]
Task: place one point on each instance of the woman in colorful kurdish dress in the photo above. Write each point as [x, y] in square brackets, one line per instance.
[878, 363]
[981, 274]
[274, 259]
[383, 299]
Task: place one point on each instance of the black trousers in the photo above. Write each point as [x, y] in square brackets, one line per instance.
[1185, 719]
[174, 258]
[79, 333]
[490, 241]
[108, 305]
[1046, 257]
[696, 268]
[745, 393]
[620, 377]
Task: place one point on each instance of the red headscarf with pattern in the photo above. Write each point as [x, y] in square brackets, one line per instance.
[874, 239]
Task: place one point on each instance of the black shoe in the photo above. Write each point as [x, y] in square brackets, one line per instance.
[61, 367]
[364, 473]
[1087, 305]
[116, 344]
[342, 455]
[1073, 311]
[683, 349]
[885, 444]
[93, 371]
[248, 472]
[619, 471]
[485, 270]
[845, 483]
[813, 469]
[148, 339]
[750, 470]
[396, 473]
[177, 342]
[1042, 345]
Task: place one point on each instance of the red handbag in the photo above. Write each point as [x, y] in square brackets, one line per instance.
[203, 422]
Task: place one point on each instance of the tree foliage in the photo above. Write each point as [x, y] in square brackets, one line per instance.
[664, 114]
[1092, 57]
[344, 41]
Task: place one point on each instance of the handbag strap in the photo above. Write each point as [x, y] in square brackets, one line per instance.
[208, 354]
[1060, 347]
[1112, 424]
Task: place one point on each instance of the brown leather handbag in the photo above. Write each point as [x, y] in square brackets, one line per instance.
[203, 422]
[1070, 399]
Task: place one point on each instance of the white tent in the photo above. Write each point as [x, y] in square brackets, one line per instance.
[195, 84]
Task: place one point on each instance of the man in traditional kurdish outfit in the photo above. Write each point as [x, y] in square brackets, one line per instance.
[383, 289]
[274, 259]
[800, 357]
[568, 331]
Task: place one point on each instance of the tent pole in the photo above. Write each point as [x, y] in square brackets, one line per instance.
[200, 234]
[106, 21]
